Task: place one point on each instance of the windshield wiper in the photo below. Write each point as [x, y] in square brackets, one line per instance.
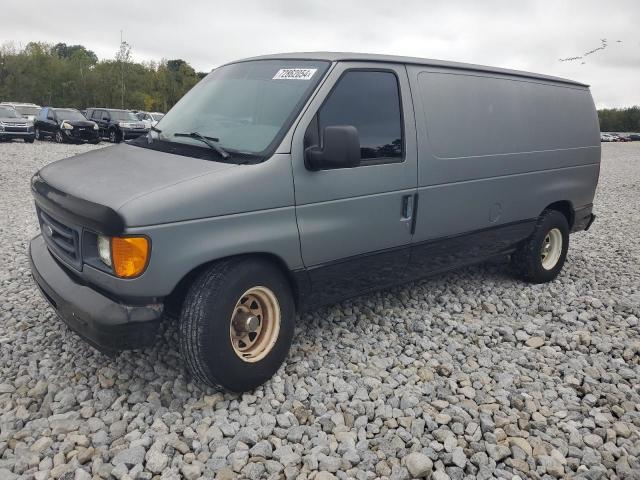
[210, 141]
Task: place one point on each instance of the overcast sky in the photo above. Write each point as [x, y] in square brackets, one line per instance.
[207, 33]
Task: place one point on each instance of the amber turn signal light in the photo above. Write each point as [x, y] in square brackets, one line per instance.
[129, 255]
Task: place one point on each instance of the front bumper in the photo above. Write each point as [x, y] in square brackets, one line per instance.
[130, 133]
[82, 135]
[583, 218]
[11, 135]
[105, 323]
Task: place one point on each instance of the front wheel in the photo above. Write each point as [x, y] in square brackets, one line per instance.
[541, 257]
[237, 324]
[28, 140]
[114, 137]
[59, 137]
[38, 134]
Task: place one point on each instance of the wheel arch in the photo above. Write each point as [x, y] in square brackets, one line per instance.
[566, 208]
[173, 302]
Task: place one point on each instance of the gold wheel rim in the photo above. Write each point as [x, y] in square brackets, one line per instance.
[255, 324]
[551, 249]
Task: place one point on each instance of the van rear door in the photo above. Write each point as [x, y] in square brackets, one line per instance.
[356, 224]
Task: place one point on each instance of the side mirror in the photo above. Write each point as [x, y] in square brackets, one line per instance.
[105, 119]
[340, 149]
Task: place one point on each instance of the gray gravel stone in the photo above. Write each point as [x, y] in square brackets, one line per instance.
[129, 456]
[418, 464]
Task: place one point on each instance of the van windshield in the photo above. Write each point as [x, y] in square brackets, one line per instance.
[246, 106]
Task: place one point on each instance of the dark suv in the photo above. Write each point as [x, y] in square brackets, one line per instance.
[117, 125]
[65, 125]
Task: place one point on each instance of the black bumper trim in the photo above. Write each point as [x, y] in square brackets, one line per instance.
[104, 323]
[583, 218]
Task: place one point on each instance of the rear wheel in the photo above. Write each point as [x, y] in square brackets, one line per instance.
[237, 323]
[541, 257]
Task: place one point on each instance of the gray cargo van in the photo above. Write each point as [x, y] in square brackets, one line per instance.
[285, 182]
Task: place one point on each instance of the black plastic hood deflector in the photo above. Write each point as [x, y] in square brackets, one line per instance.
[75, 210]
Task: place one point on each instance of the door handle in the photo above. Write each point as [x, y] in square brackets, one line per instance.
[407, 207]
[409, 211]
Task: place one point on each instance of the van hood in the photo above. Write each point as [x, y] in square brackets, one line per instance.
[141, 187]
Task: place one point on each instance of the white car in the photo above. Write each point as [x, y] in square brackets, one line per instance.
[27, 110]
[605, 137]
[150, 119]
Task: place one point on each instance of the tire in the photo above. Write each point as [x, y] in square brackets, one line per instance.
[38, 134]
[114, 137]
[28, 140]
[59, 137]
[541, 257]
[208, 340]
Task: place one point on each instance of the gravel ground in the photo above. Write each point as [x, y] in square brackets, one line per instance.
[472, 374]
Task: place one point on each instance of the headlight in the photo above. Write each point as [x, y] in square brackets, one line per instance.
[66, 126]
[95, 126]
[104, 250]
[123, 124]
[127, 256]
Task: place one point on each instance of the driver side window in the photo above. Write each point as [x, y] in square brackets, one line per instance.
[370, 101]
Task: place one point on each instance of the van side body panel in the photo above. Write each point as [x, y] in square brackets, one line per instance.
[494, 151]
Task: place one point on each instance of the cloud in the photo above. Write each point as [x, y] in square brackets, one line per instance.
[522, 35]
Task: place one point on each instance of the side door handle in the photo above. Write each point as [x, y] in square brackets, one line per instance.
[409, 211]
[407, 207]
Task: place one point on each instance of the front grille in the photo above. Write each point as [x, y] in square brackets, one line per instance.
[16, 129]
[63, 240]
[84, 133]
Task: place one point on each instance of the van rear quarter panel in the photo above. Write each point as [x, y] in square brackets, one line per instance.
[495, 149]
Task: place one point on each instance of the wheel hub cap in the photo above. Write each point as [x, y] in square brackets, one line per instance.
[551, 249]
[255, 324]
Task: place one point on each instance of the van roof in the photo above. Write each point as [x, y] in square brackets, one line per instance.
[372, 57]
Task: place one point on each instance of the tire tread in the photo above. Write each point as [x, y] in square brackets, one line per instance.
[191, 324]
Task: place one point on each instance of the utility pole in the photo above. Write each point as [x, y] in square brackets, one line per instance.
[122, 73]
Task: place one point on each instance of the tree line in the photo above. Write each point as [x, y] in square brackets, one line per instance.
[64, 75]
[619, 119]
[72, 76]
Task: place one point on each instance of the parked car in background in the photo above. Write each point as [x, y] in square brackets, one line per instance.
[623, 137]
[634, 137]
[27, 110]
[13, 125]
[65, 125]
[117, 125]
[291, 181]
[605, 137]
[150, 119]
